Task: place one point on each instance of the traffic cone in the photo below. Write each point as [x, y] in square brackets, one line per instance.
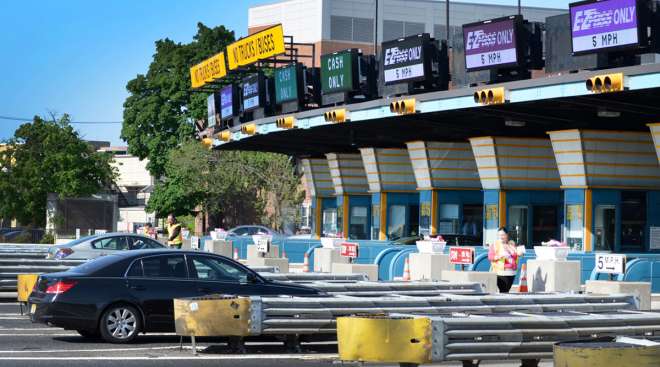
[522, 287]
[236, 254]
[406, 270]
[306, 263]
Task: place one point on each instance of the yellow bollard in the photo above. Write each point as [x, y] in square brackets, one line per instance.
[600, 354]
[25, 284]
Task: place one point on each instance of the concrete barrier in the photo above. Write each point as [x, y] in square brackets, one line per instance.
[424, 266]
[488, 279]
[220, 247]
[641, 290]
[279, 263]
[553, 275]
[252, 253]
[324, 258]
[371, 270]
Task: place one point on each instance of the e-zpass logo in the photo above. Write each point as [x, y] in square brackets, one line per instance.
[478, 39]
[594, 18]
[396, 55]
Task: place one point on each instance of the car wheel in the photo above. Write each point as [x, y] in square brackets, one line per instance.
[120, 324]
[88, 334]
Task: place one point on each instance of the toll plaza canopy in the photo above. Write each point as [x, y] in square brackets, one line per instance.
[533, 107]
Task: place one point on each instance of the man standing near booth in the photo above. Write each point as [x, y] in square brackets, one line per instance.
[174, 236]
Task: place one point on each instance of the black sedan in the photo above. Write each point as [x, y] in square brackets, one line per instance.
[119, 296]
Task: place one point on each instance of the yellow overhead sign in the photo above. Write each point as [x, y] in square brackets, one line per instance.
[259, 46]
[208, 70]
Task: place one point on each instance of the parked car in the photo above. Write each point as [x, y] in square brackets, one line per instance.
[251, 230]
[121, 295]
[93, 246]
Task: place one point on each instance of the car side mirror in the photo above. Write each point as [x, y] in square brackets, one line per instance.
[252, 278]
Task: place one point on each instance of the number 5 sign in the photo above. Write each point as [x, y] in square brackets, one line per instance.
[610, 263]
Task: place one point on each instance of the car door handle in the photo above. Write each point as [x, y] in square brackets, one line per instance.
[204, 290]
[137, 287]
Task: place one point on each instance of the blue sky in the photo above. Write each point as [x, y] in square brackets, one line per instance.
[75, 56]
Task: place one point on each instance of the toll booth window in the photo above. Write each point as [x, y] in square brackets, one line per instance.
[605, 227]
[575, 226]
[545, 223]
[633, 219]
[396, 227]
[518, 224]
[167, 266]
[329, 222]
[358, 223]
[448, 219]
[472, 223]
[375, 221]
[208, 268]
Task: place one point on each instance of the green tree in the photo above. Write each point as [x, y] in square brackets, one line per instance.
[48, 157]
[234, 187]
[160, 106]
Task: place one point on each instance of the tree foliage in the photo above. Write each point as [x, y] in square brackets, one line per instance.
[48, 157]
[160, 107]
[236, 187]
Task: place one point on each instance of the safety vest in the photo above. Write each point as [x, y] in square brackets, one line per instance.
[170, 229]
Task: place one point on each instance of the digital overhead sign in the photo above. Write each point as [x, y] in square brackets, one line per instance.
[259, 46]
[339, 72]
[601, 25]
[491, 43]
[208, 70]
[403, 60]
[227, 102]
[251, 90]
[286, 84]
[212, 103]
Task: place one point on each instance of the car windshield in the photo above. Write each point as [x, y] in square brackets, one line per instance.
[80, 240]
[94, 265]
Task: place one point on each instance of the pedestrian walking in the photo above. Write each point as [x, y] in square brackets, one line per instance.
[174, 235]
[503, 256]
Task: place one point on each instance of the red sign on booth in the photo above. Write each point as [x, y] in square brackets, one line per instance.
[349, 249]
[461, 255]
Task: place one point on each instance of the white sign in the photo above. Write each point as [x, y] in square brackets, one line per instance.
[251, 102]
[610, 263]
[194, 242]
[404, 73]
[263, 244]
[491, 58]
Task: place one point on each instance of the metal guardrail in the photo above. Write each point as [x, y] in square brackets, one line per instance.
[316, 316]
[415, 339]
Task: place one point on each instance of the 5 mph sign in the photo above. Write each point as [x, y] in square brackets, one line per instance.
[610, 263]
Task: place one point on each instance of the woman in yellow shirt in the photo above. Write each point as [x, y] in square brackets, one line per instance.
[503, 256]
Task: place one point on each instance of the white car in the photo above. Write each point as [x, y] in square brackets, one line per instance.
[91, 247]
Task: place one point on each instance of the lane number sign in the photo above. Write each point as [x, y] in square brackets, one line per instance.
[610, 263]
[461, 255]
[349, 249]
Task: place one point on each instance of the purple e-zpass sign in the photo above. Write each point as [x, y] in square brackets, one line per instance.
[226, 102]
[490, 44]
[603, 24]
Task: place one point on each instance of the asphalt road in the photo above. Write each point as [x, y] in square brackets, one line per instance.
[25, 344]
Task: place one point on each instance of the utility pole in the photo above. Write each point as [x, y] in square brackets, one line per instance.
[447, 19]
[376, 30]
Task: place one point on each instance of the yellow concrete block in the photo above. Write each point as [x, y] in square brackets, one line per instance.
[384, 339]
[212, 316]
[25, 284]
[606, 354]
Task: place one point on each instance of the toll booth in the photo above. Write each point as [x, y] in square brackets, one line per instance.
[353, 200]
[394, 196]
[451, 202]
[521, 188]
[318, 182]
[611, 182]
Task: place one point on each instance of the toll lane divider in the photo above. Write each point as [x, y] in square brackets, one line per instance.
[316, 316]
[418, 339]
